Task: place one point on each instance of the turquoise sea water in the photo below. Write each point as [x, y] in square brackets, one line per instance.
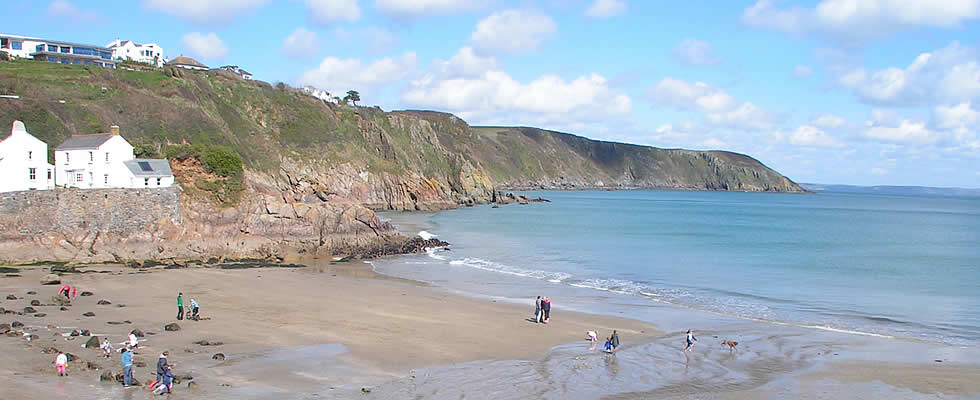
[900, 266]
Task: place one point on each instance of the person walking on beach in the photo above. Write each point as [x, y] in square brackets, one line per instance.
[537, 310]
[127, 366]
[690, 340]
[162, 366]
[180, 306]
[106, 347]
[194, 308]
[614, 340]
[167, 382]
[546, 308]
[60, 363]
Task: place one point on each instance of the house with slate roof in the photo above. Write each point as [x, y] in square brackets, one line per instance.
[187, 63]
[106, 160]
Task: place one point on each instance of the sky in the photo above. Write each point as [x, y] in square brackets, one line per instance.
[859, 92]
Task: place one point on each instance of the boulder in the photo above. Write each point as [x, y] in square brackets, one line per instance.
[35, 302]
[218, 356]
[114, 322]
[107, 376]
[84, 332]
[49, 350]
[191, 385]
[61, 301]
[172, 327]
[31, 292]
[118, 377]
[40, 315]
[11, 297]
[16, 324]
[64, 268]
[63, 308]
[137, 332]
[50, 279]
[4, 328]
[89, 314]
[208, 343]
[103, 302]
[71, 357]
[86, 294]
[92, 343]
[29, 310]
[75, 332]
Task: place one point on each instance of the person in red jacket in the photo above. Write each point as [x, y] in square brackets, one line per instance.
[65, 290]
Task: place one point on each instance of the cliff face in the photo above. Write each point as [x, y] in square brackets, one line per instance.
[305, 150]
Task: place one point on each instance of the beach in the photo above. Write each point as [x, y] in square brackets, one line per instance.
[336, 330]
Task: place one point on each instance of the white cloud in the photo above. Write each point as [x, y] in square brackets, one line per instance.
[828, 121]
[802, 72]
[605, 9]
[64, 9]
[861, 19]
[465, 63]
[696, 52]
[950, 74]
[204, 11]
[494, 95]
[423, 8]
[513, 32]
[907, 131]
[204, 46]
[720, 108]
[962, 121]
[300, 44]
[812, 136]
[326, 12]
[340, 75]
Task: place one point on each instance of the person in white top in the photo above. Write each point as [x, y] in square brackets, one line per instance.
[593, 336]
[61, 362]
[106, 347]
[133, 341]
[690, 340]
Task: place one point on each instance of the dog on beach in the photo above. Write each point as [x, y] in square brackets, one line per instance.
[731, 345]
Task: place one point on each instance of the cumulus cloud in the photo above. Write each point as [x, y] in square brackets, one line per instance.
[300, 44]
[513, 32]
[812, 136]
[962, 121]
[204, 11]
[64, 9]
[207, 46]
[423, 8]
[828, 121]
[907, 131]
[802, 72]
[465, 63]
[487, 96]
[326, 12]
[947, 75]
[861, 19]
[605, 9]
[696, 52]
[718, 106]
[340, 75]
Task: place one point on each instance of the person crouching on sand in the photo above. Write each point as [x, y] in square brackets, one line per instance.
[65, 290]
[60, 363]
[134, 342]
[194, 308]
[592, 336]
[690, 340]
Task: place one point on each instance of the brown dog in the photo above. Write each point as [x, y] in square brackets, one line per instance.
[731, 344]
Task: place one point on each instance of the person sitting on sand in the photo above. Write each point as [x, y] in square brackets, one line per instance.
[106, 347]
[593, 336]
[127, 366]
[614, 340]
[690, 340]
[194, 308]
[60, 363]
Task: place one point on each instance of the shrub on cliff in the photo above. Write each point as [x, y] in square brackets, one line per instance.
[225, 184]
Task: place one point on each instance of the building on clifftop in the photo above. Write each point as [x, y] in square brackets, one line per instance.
[24, 162]
[187, 63]
[149, 53]
[106, 160]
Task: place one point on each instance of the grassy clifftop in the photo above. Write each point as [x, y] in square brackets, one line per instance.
[387, 159]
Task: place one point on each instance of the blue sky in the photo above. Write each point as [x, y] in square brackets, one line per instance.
[831, 91]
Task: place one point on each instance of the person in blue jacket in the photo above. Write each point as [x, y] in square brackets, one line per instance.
[127, 366]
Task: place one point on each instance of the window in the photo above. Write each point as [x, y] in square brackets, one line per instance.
[32, 173]
[52, 48]
[91, 157]
[146, 181]
[78, 177]
[65, 61]
[106, 178]
[65, 49]
[30, 155]
[4, 43]
[49, 174]
[76, 62]
[67, 158]
[52, 59]
[107, 156]
[159, 180]
[17, 45]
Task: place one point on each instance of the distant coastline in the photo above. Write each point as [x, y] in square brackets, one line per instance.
[893, 190]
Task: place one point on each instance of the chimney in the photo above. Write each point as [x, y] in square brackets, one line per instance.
[115, 130]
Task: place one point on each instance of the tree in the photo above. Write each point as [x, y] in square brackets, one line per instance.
[352, 96]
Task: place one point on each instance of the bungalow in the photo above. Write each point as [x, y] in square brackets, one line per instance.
[106, 160]
[55, 51]
[187, 63]
[24, 162]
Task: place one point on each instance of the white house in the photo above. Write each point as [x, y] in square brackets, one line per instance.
[320, 94]
[237, 71]
[56, 51]
[105, 160]
[149, 53]
[24, 162]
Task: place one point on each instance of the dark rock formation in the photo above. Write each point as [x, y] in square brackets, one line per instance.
[137, 332]
[86, 294]
[89, 314]
[171, 327]
[103, 302]
[40, 315]
[208, 343]
[35, 302]
[4, 328]
[92, 343]
[16, 324]
[50, 279]
[218, 356]
[29, 310]
[11, 297]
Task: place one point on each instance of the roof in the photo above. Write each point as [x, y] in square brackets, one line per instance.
[186, 61]
[17, 36]
[82, 142]
[149, 167]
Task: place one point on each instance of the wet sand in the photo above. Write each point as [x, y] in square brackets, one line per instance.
[329, 328]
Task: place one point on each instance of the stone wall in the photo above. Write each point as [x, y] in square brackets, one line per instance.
[87, 210]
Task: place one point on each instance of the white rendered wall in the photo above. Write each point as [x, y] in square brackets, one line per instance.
[19, 153]
[93, 166]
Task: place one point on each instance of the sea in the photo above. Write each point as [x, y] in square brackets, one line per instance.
[903, 267]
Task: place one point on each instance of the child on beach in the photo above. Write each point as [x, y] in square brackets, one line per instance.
[106, 347]
[194, 308]
[608, 346]
[593, 336]
[690, 340]
[133, 341]
[61, 362]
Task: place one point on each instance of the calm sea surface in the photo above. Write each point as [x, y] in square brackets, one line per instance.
[899, 266]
